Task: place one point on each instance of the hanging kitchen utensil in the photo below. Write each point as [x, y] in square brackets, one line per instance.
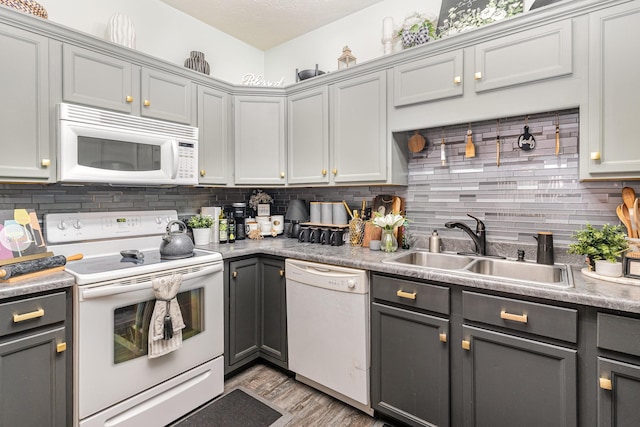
[443, 153]
[629, 199]
[557, 134]
[416, 142]
[526, 141]
[498, 144]
[469, 149]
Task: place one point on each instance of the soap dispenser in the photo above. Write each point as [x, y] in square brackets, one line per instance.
[434, 242]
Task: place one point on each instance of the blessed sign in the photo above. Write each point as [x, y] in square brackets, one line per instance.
[251, 79]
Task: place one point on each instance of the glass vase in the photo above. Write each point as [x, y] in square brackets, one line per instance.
[388, 242]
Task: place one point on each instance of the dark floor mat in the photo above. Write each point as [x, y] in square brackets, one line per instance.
[236, 408]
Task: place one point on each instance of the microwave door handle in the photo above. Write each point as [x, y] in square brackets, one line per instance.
[115, 289]
[174, 149]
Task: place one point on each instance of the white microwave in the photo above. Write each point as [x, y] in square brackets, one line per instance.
[98, 146]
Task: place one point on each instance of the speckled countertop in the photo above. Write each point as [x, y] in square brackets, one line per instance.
[46, 283]
[586, 291]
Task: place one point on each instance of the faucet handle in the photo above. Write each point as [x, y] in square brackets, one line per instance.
[479, 224]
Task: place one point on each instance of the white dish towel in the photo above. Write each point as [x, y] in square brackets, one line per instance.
[165, 330]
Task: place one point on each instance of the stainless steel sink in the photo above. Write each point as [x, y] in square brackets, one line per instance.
[432, 260]
[548, 274]
[554, 275]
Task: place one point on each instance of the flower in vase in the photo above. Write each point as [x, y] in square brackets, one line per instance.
[388, 221]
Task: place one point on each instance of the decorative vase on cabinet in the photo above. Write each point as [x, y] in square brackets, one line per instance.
[196, 62]
[120, 30]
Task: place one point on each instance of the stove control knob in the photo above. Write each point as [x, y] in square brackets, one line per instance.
[62, 225]
[77, 224]
[168, 219]
[351, 283]
[158, 220]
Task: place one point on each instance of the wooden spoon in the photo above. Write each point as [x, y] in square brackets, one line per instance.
[416, 142]
[636, 215]
[623, 214]
[629, 198]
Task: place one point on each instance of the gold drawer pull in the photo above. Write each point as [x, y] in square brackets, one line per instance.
[45, 163]
[334, 171]
[129, 98]
[61, 347]
[606, 384]
[324, 172]
[146, 103]
[595, 155]
[521, 318]
[28, 316]
[281, 273]
[407, 295]
[478, 75]
[234, 274]
[443, 337]
[466, 345]
[203, 172]
[457, 80]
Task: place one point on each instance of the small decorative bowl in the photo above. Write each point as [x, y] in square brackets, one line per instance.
[307, 74]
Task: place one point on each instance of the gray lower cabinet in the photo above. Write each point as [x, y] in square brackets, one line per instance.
[618, 370]
[24, 92]
[255, 310]
[33, 362]
[103, 81]
[214, 150]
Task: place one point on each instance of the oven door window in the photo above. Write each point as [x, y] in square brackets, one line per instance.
[131, 324]
[118, 155]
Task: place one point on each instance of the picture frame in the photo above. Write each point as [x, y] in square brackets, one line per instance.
[458, 16]
[264, 209]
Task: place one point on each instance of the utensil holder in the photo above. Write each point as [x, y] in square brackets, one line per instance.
[356, 232]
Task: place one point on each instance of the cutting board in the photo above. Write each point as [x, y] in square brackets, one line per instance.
[385, 204]
[371, 232]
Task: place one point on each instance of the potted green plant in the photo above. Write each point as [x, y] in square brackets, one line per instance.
[603, 248]
[201, 227]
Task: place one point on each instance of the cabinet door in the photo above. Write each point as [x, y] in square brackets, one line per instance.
[33, 380]
[273, 332]
[259, 140]
[528, 56]
[165, 96]
[24, 122]
[612, 150]
[97, 80]
[308, 137]
[244, 310]
[618, 393]
[214, 153]
[359, 124]
[429, 79]
[410, 366]
[512, 381]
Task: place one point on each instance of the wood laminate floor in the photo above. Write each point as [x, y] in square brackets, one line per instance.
[308, 406]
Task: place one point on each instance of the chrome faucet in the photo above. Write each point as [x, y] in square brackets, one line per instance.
[479, 237]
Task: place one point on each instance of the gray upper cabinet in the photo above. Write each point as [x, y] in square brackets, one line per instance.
[308, 137]
[429, 79]
[102, 81]
[610, 150]
[359, 129]
[527, 56]
[260, 140]
[214, 150]
[24, 91]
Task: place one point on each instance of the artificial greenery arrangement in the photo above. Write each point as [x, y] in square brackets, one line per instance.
[199, 221]
[417, 29]
[607, 243]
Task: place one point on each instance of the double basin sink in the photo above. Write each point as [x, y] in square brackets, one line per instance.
[555, 275]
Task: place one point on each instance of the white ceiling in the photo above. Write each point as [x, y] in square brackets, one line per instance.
[268, 23]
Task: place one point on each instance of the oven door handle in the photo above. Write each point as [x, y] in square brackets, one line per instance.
[115, 289]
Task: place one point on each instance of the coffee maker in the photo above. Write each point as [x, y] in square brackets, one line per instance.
[240, 214]
[297, 213]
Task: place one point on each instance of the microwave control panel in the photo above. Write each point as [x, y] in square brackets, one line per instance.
[187, 163]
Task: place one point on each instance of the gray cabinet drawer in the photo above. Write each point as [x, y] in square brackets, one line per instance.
[540, 319]
[33, 312]
[619, 333]
[411, 294]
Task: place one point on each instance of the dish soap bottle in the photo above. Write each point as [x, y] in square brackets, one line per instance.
[434, 242]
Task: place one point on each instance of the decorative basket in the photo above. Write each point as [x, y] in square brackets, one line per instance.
[27, 6]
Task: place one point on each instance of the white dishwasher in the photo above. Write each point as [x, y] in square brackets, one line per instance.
[328, 330]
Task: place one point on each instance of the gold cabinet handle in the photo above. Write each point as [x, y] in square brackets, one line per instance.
[281, 273]
[466, 345]
[407, 295]
[457, 80]
[606, 384]
[281, 174]
[203, 172]
[443, 337]
[45, 163]
[595, 155]
[477, 75]
[146, 103]
[28, 316]
[334, 171]
[520, 318]
[234, 274]
[129, 99]
[324, 172]
[61, 347]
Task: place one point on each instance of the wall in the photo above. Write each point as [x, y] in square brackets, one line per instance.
[163, 32]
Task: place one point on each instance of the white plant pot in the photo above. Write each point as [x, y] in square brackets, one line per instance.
[609, 269]
[201, 236]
